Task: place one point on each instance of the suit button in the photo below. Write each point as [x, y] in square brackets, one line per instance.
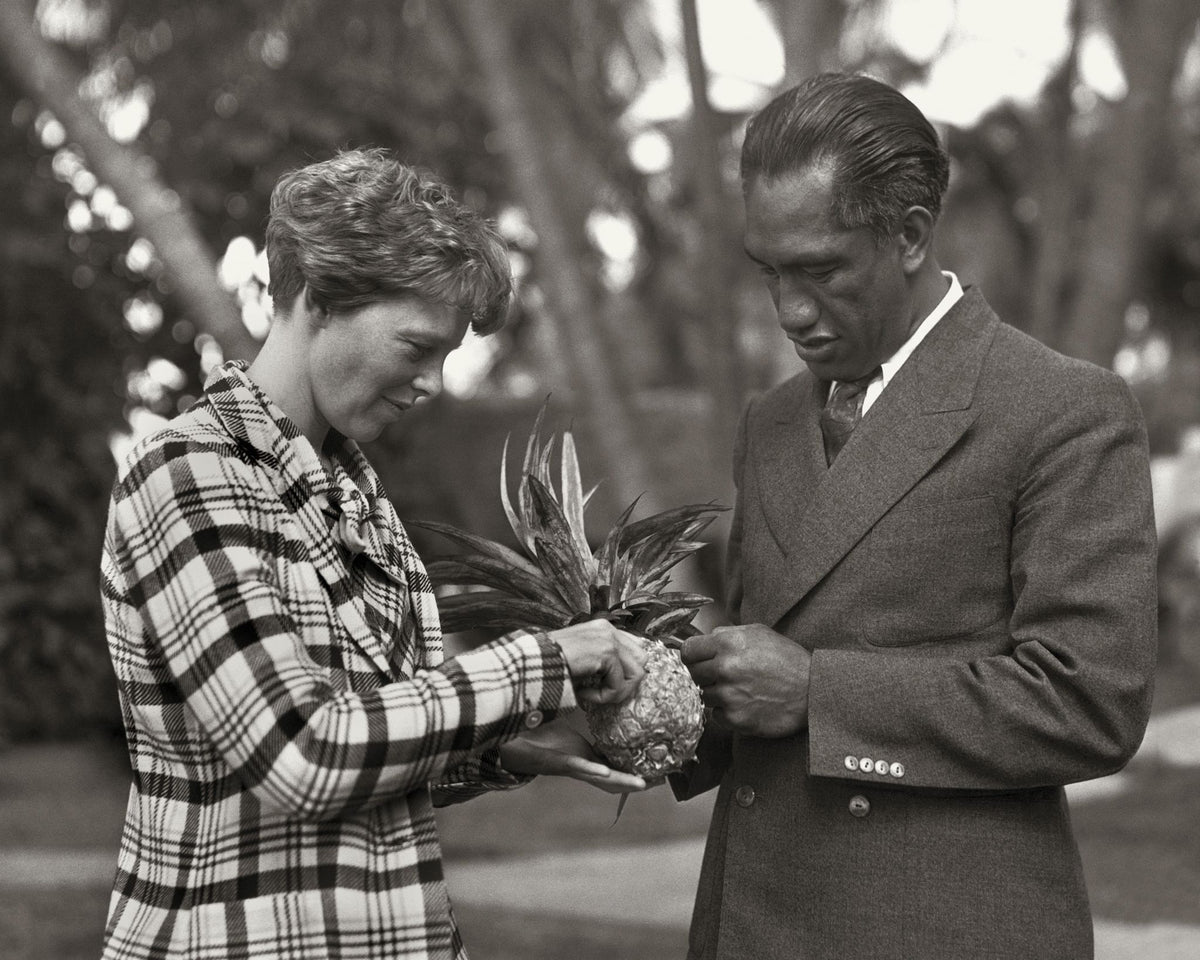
[860, 806]
[534, 718]
[744, 795]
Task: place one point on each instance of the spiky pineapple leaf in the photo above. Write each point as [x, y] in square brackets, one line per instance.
[562, 567]
[543, 466]
[648, 553]
[660, 570]
[529, 469]
[606, 555]
[571, 570]
[668, 599]
[519, 528]
[556, 578]
[481, 545]
[549, 519]
[487, 572]
[492, 610]
[669, 622]
[678, 517]
[572, 494]
[621, 585]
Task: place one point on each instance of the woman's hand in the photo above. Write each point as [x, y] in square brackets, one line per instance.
[606, 664]
[557, 750]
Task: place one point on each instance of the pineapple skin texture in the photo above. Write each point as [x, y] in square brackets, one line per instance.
[654, 732]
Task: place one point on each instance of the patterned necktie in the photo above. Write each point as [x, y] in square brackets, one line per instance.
[842, 412]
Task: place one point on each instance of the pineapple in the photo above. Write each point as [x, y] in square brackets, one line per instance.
[555, 579]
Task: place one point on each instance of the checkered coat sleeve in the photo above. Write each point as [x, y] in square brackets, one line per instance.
[282, 749]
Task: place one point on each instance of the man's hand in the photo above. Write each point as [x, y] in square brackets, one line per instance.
[557, 750]
[754, 679]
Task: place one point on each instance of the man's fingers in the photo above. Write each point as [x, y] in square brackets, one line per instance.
[697, 649]
[705, 673]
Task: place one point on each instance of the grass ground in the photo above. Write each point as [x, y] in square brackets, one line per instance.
[1141, 851]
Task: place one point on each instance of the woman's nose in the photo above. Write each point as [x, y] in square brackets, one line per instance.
[428, 382]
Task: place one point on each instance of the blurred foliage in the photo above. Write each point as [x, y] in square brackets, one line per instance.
[239, 93]
[62, 348]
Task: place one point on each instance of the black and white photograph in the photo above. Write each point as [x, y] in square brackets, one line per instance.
[599, 480]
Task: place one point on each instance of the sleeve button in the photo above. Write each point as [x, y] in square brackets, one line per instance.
[897, 770]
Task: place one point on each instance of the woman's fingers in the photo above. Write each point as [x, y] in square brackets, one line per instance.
[556, 750]
[605, 663]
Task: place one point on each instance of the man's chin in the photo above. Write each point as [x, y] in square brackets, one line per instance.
[827, 372]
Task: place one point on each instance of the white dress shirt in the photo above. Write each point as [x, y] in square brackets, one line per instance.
[896, 361]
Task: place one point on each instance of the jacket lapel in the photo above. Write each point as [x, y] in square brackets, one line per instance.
[920, 415]
[396, 558]
[266, 433]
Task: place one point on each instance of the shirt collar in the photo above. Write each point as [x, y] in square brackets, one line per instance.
[897, 359]
[253, 419]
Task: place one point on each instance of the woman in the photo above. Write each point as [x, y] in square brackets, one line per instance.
[289, 713]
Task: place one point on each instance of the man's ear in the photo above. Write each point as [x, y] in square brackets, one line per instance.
[915, 238]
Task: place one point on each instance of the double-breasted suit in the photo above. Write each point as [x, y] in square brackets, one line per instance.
[974, 576]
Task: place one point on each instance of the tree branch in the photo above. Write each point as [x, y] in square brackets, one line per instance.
[50, 79]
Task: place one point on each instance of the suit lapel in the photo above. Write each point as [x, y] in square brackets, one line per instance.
[920, 415]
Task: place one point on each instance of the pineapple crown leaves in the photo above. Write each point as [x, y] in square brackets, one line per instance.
[554, 578]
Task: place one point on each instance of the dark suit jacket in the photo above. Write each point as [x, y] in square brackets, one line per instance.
[975, 579]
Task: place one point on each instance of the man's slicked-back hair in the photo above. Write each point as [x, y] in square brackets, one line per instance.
[884, 153]
[363, 227]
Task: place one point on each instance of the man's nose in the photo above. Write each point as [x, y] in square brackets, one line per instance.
[797, 309]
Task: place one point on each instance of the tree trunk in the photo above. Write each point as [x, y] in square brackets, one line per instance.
[1151, 36]
[811, 31]
[1056, 163]
[725, 387]
[487, 27]
[49, 77]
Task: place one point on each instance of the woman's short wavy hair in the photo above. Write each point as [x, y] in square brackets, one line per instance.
[885, 154]
[363, 227]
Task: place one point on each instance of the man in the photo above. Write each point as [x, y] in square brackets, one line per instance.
[941, 571]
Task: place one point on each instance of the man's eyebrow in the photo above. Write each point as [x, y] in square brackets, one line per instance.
[818, 259]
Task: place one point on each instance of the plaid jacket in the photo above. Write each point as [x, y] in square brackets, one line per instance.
[279, 658]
